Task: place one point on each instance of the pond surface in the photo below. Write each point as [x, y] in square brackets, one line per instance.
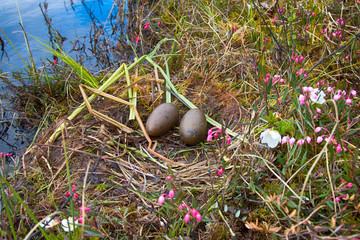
[75, 22]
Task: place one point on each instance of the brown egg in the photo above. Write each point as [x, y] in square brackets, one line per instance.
[193, 127]
[162, 119]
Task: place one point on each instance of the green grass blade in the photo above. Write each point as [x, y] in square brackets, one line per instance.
[132, 98]
[4, 200]
[23, 204]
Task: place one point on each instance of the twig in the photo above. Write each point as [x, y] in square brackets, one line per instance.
[272, 35]
[336, 51]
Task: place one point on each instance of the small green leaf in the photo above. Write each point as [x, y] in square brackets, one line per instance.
[291, 204]
[93, 233]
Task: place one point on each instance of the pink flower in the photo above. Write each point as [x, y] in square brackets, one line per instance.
[198, 217]
[171, 193]
[169, 178]
[274, 19]
[302, 99]
[321, 83]
[337, 199]
[349, 185]
[137, 39]
[336, 97]
[319, 139]
[234, 28]
[72, 190]
[276, 77]
[159, 23]
[353, 92]
[300, 142]
[299, 71]
[338, 149]
[228, 140]
[305, 89]
[55, 62]
[318, 129]
[318, 110]
[2, 154]
[330, 89]
[181, 206]
[292, 141]
[308, 139]
[161, 199]
[187, 218]
[147, 25]
[193, 212]
[266, 40]
[341, 21]
[83, 209]
[305, 75]
[348, 101]
[8, 155]
[220, 171]
[284, 140]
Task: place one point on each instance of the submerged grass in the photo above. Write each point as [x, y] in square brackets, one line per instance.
[291, 169]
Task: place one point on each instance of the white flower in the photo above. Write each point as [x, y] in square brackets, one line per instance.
[48, 223]
[317, 97]
[68, 224]
[271, 137]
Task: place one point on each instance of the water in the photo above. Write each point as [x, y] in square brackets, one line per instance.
[78, 23]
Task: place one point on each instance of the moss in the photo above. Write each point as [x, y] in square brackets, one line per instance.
[350, 219]
[271, 188]
[220, 232]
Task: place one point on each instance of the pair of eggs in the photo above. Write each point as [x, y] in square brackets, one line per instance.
[192, 128]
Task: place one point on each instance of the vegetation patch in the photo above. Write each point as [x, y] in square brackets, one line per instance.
[278, 84]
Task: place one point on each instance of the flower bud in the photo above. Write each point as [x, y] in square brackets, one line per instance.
[171, 193]
[338, 149]
[220, 171]
[187, 218]
[198, 217]
[194, 212]
[348, 101]
[161, 199]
